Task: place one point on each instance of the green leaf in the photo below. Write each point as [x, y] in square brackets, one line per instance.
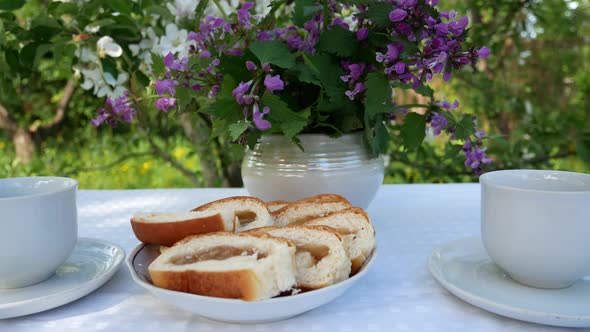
[291, 123]
[425, 90]
[413, 130]
[12, 59]
[64, 8]
[121, 6]
[183, 97]
[41, 51]
[109, 65]
[158, 67]
[2, 33]
[236, 65]
[44, 27]
[338, 41]
[304, 11]
[380, 142]
[306, 74]
[329, 73]
[274, 52]
[200, 10]
[378, 13]
[378, 95]
[253, 138]
[237, 129]
[27, 55]
[465, 127]
[159, 10]
[11, 4]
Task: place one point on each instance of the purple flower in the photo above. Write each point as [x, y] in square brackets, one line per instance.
[483, 52]
[356, 70]
[165, 86]
[193, 36]
[115, 110]
[442, 29]
[458, 27]
[475, 157]
[240, 90]
[399, 68]
[439, 122]
[447, 76]
[397, 15]
[244, 17]
[393, 51]
[251, 66]
[258, 117]
[446, 104]
[339, 22]
[102, 117]
[266, 67]
[273, 83]
[358, 88]
[362, 33]
[180, 65]
[214, 91]
[205, 54]
[165, 103]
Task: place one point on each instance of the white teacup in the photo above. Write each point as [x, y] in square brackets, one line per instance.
[536, 225]
[38, 228]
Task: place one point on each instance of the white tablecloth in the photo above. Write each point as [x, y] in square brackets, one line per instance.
[398, 294]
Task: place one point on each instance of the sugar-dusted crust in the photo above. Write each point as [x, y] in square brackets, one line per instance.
[168, 233]
[240, 284]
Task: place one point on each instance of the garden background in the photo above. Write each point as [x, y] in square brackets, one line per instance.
[532, 95]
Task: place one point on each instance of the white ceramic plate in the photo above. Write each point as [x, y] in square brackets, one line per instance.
[92, 263]
[464, 268]
[236, 311]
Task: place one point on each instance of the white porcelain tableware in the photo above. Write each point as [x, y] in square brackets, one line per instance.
[38, 228]
[464, 268]
[92, 263]
[278, 169]
[535, 225]
[237, 311]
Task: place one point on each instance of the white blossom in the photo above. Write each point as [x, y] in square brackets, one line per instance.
[107, 46]
[183, 9]
[85, 54]
[175, 41]
[103, 85]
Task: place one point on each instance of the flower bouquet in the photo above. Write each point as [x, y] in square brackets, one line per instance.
[308, 66]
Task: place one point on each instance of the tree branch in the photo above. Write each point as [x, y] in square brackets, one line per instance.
[60, 112]
[6, 122]
[173, 162]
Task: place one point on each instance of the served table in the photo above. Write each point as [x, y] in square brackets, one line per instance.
[398, 294]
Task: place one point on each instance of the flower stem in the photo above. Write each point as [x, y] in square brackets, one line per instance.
[326, 14]
[221, 10]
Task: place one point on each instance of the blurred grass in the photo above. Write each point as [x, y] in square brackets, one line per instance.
[92, 165]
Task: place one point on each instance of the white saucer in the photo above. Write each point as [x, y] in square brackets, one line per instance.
[92, 263]
[464, 268]
[237, 311]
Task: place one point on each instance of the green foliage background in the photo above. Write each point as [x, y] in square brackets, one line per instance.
[532, 96]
